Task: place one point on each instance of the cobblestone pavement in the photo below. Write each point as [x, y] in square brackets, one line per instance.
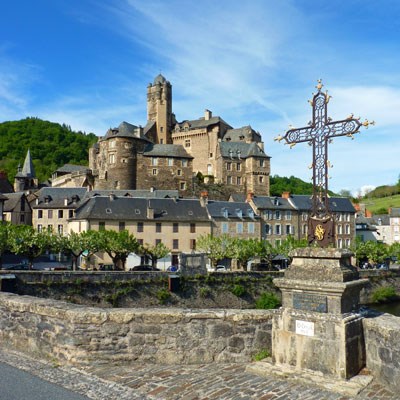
[200, 382]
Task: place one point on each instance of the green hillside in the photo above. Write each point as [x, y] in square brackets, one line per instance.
[52, 145]
[380, 205]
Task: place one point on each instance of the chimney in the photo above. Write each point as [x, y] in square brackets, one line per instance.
[250, 196]
[368, 213]
[204, 198]
[207, 115]
[150, 211]
[285, 195]
[65, 202]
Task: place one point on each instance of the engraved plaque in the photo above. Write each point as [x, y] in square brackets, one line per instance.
[310, 302]
[305, 328]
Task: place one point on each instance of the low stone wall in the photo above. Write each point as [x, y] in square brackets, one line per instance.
[382, 345]
[81, 335]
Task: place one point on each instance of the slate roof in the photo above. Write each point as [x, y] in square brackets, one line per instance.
[166, 150]
[159, 79]
[135, 209]
[148, 194]
[203, 123]
[240, 134]
[395, 212]
[28, 171]
[68, 168]
[272, 203]
[3, 198]
[125, 129]
[234, 150]
[380, 219]
[12, 201]
[236, 210]
[337, 204]
[56, 197]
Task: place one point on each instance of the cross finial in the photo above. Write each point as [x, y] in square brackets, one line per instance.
[319, 85]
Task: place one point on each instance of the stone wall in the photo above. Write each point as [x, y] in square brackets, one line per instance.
[383, 348]
[81, 335]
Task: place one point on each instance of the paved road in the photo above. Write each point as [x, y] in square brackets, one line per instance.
[157, 382]
[19, 385]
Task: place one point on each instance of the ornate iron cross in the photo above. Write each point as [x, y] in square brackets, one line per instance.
[319, 132]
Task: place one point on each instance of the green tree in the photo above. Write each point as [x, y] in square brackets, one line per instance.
[118, 245]
[154, 253]
[25, 241]
[245, 250]
[374, 252]
[216, 247]
[5, 229]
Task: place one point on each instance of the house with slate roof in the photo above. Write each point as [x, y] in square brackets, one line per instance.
[177, 223]
[17, 209]
[394, 215]
[288, 215]
[166, 154]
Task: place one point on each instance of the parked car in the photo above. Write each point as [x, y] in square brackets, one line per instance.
[173, 268]
[16, 267]
[144, 267]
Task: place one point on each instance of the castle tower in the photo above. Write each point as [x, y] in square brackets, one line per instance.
[26, 177]
[159, 108]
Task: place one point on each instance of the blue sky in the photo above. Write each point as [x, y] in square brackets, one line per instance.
[253, 62]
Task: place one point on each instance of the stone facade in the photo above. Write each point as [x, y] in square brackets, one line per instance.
[83, 335]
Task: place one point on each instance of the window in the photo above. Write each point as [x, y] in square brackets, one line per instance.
[239, 227]
[182, 185]
[187, 143]
[192, 228]
[192, 244]
[229, 166]
[277, 215]
[210, 155]
[40, 214]
[250, 227]
[288, 215]
[239, 180]
[179, 172]
[262, 163]
[22, 205]
[268, 230]
[157, 241]
[184, 162]
[304, 216]
[260, 179]
[348, 243]
[112, 144]
[161, 130]
[121, 226]
[102, 226]
[175, 244]
[49, 213]
[60, 229]
[340, 243]
[111, 158]
[305, 229]
[238, 166]
[170, 162]
[140, 226]
[340, 229]
[154, 171]
[22, 218]
[158, 227]
[229, 180]
[154, 161]
[347, 218]
[140, 242]
[224, 227]
[175, 227]
[40, 228]
[347, 228]
[289, 230]
[60, 214]
[277, 229]
[161, 140]
[70, 213]
[267, 214]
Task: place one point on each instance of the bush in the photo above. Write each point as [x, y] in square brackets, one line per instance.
[384, 293]
[238, 290]
[163, 296]
[204, 292]
[267, 301]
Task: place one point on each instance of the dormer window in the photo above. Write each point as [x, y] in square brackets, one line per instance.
[224, 212]
[239, 213]
[250, 213]
[241, 137]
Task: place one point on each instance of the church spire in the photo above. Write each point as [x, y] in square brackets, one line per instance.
[28, 170]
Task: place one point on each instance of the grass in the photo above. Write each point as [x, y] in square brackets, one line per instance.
[264, 353]
[383, 294]
[267, 301]
[377, 204]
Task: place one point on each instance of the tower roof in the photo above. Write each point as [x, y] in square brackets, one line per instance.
[159, 79]
[28, 171]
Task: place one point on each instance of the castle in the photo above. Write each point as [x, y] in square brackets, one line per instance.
[166, 154]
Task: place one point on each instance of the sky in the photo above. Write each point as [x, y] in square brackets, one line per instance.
[87, 63]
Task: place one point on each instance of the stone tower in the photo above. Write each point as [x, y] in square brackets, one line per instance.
[26, 177]
[159, 108]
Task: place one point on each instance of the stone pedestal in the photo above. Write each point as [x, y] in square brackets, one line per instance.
[318, 327]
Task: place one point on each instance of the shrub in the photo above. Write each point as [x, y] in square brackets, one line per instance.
[163, 296]
[204, 292]
[267, 301]
[238, 290]
[264, 353]
[383, 293]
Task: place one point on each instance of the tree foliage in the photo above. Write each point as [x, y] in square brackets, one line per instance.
[52, 145]
[154, 253]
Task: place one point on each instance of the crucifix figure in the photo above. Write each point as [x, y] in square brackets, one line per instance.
[319, 132]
